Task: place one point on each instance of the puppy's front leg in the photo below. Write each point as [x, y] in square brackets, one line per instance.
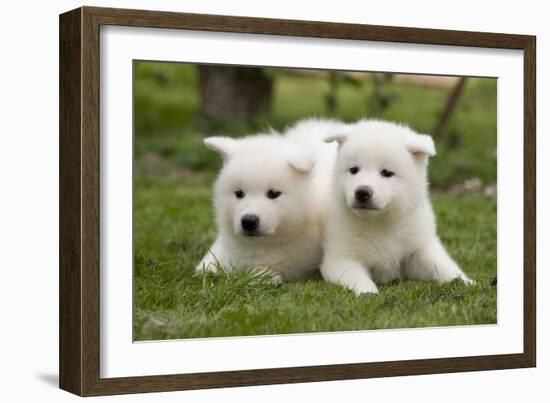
[348, 273]
[213, 259]
[434, 263]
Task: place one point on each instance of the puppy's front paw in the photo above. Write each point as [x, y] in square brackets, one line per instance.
[207, 266]
[350, 274]
[261, 274]
[364, 287]
[359, 282]
[466, 280]
[457, 274]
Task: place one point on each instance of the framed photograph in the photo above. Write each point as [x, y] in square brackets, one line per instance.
[248, 201]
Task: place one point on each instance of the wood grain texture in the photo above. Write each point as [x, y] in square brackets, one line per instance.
[90, 201]
[315, 29]
[80, 200]
[70, 274]
[530, 202]
[305, 374]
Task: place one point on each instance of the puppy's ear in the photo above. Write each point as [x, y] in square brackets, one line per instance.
[223, 145]
[339, 137]
[301, 160]
[338, 133]
[421, 145]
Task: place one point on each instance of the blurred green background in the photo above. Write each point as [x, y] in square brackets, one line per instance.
[177, 105]
[169, 120]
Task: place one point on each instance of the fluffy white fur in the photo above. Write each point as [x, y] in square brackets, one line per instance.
[393, 234]
[288, 240]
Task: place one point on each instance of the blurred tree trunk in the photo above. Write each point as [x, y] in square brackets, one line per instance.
[239, 93]
[450, 107]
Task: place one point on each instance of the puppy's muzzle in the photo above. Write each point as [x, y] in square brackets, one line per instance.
[363, 194]
[250, 224]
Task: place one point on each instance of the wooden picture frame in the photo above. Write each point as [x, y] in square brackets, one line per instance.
[80, 186]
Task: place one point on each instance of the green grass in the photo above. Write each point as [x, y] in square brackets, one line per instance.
[174, 228]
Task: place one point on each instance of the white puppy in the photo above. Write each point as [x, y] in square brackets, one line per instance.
[269, 200]
[380, 225]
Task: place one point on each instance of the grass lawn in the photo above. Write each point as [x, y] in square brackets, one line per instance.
[174, 227]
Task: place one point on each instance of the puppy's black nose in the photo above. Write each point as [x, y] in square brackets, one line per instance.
[250, 222]
[363, 194]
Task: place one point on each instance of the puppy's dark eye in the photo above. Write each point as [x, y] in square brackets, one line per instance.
[386, 173]
[353, 170]
[239, 194]
[273, 194]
